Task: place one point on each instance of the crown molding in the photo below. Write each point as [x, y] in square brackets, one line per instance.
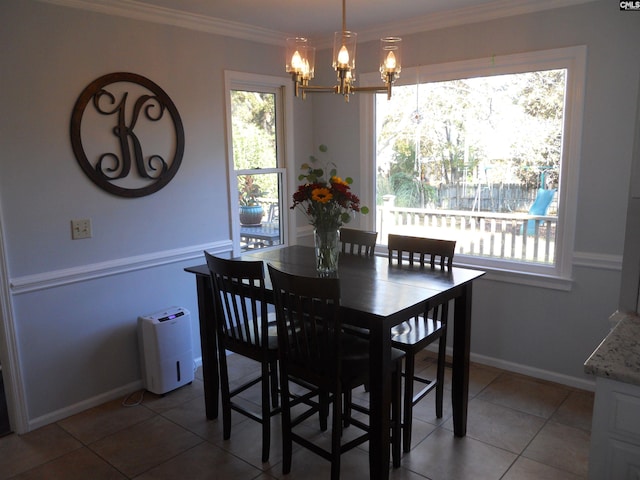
[140, 10]
[465, 16]
[167, 16]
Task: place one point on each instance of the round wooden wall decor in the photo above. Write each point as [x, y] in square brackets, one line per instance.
[127, 135]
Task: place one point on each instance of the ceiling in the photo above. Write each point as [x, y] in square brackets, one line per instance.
[271, 21]
[316, 18]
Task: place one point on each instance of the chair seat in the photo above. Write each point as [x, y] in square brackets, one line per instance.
[420, 332]
[273, 337]
[355, 360]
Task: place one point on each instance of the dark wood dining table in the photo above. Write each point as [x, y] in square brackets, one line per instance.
[375, 295]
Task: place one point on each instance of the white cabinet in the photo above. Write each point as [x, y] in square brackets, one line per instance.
[615, 433]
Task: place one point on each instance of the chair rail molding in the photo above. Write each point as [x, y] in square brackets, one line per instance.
[58, 278]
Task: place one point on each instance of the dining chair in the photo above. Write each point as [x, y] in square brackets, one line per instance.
[424, 329]
[358, 242]
[243, 327]
[316, 354]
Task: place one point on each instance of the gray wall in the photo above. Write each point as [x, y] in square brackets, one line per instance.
[75, 303]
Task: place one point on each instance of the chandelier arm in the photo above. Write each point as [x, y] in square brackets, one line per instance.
[318, 89]
[386, 89]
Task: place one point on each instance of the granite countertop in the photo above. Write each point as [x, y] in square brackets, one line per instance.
[618, 356]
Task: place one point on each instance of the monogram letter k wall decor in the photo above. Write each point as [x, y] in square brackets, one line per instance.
[127, 135]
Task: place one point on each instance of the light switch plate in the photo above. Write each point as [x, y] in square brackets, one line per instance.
[81, 228]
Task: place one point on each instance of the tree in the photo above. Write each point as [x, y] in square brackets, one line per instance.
[506, 127]
[253, 124]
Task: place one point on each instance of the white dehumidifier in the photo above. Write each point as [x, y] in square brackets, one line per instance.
[166, 354]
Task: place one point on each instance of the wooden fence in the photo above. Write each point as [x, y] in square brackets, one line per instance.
[508, 236]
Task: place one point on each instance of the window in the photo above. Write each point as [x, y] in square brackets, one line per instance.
[486, 153]
[256, 135]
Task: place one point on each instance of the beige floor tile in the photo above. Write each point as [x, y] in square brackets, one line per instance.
[101, 421]
[162, 403]
[136, 449]
[479, 375]
[442, 456]
[168, 437]
[525, 394]
[561, 446]
[420, 430]
[525, 469]
[19, 453]
[500, 426]
[246, 443]
[576, 410]
[191, 415]
[80, 464]
[425, 409]
[202, 462]
[354, 465]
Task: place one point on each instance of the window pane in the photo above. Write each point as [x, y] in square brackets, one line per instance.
[253, 129]
[260, 224]
[476, 160]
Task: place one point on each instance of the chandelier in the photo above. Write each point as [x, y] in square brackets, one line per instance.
[300, 60]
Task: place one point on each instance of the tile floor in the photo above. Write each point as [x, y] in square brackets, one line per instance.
[518, 428]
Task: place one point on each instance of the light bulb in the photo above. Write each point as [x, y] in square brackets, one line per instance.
[343, 57]
[296, 61]
[390, 62]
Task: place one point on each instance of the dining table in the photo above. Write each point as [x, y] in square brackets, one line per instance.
[377, 295]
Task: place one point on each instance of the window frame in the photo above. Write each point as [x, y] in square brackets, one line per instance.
[573, 59]
[284, 144]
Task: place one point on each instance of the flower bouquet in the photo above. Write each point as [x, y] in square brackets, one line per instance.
[328, 204]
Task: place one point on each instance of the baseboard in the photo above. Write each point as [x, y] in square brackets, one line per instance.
[120, 392]
[569, 381]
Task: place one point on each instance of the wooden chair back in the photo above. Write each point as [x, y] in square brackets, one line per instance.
[240, 303]
[358, 242]
[424, 251]
[308, 318]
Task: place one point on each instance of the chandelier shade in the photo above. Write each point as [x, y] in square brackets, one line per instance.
[300, 63]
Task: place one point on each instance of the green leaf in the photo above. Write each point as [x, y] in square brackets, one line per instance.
[322, 148]
[348, 180]
[364, 210]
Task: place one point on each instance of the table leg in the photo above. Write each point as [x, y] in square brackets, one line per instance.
[208, 345]
[461, 348]
[380, 402]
